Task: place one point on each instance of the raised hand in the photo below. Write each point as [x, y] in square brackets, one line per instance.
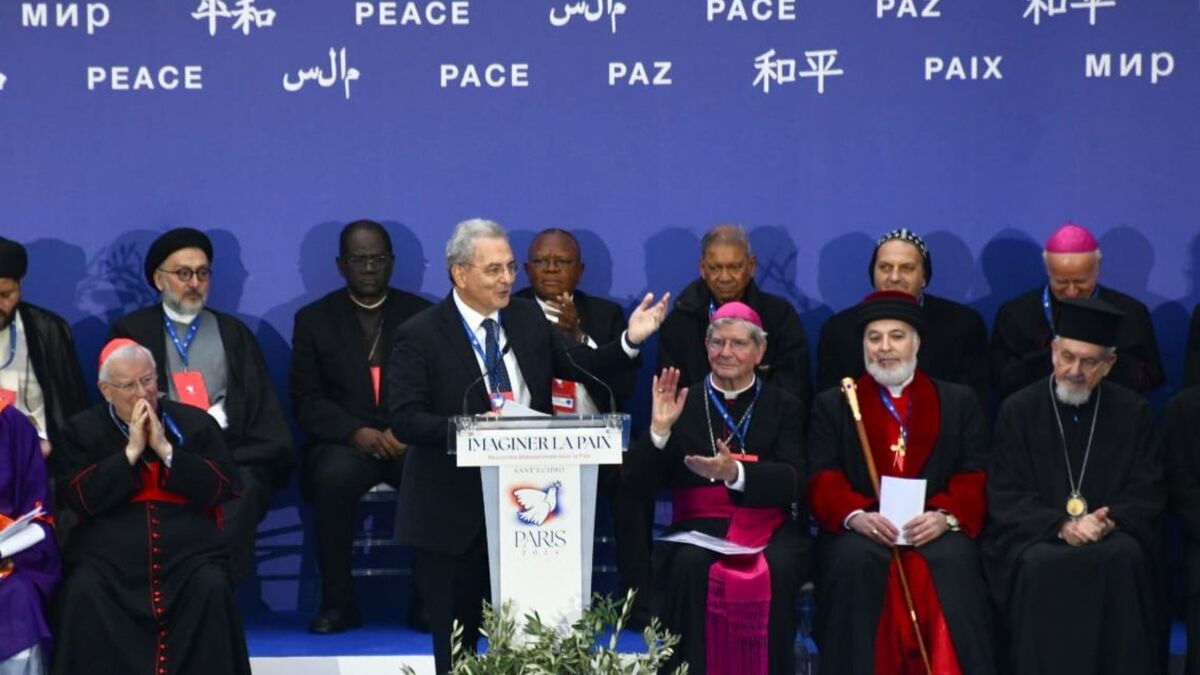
[667, 401]
[648, 316]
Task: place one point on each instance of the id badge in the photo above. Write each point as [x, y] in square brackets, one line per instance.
[745, 458]
[562, 395]
[7, 397]
[498, 399]
[189, 387]
[375, 382]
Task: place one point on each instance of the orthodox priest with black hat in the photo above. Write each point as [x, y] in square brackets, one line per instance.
[147, 587]
[210, 360]
[1076, 494]
[731, 449]
[917, 427]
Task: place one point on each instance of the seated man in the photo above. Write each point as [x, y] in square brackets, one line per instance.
[1075, 498]
[339, 346]
[147, 587]
[735, 614]
[918, 427]
[28, 569]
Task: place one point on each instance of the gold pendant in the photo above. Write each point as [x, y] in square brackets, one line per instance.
[1076, 506]
[898, 447]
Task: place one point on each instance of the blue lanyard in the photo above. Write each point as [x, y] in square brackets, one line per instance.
[891, 408]
[739, 429]
[712, 309]
[12, 343]
[1046, 308]
[167, 422]
[182, 347]
[487, 366]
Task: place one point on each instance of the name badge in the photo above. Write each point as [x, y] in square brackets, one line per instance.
[375, 382]
[7, 397]
[745, 458]
[562, 396]
[190, 388]
[498, 399]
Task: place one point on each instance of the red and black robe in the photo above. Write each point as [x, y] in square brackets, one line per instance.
[859, 601]
[147, 587]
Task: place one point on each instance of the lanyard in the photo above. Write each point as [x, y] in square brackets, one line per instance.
[487, 366]
[712, 309]
[12, 343]
[167, 422]
[1046, 308]
[182, 347]
[740, 429]
[891, 408]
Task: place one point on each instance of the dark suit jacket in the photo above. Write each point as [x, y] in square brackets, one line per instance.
[257, 432]
[331, 389]
[56, 366]
[432, 365]
[603, 321]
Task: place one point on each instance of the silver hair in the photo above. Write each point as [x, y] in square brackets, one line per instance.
[125, 353]
[1046, 257]
[756, 332]
[730, 235]
[460, 250]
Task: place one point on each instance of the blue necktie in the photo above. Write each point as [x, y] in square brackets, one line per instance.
[499, 375]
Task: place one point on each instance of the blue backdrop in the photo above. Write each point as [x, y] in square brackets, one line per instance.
[818, 125]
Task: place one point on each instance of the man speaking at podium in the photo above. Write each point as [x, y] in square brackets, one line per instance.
[468, 354]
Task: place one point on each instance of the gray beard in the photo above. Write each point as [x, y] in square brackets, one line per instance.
[894, 377]
[1071, 396]
[179, 306]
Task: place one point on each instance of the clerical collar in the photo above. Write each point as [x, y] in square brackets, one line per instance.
[733, 394]
[897, 390]
[368, 307]
[179, 317]
[474, 319]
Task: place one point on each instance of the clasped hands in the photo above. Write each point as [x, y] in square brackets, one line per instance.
[919, 531]
[1088, 529]
[146, 430]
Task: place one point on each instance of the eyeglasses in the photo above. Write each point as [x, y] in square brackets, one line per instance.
[146, 382]
[362, 262]
[551, 262]
[495, 270]
[715, 269]
[185, 274]
[717, 345]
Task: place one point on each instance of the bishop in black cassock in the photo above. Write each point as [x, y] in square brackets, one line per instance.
[731, 449]
[1075, 494]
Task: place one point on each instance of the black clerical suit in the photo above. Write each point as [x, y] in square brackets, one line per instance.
[954, 346]
[257, 436]
[1191, 363]
[432, 366]
[333, 396]
[1021, 340]
[785, 365]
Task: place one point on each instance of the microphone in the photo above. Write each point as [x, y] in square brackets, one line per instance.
[486, 373]
[612, 399]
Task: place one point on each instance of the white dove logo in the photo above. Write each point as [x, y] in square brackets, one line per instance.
[537, 505]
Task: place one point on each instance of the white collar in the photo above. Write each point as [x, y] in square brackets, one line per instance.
[178, 317]
[474, 319]
[733, 394]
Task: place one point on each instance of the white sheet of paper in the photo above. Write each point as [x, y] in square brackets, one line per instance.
[710, 542]
[21, 523]
[27, 536]
[901, 500]
[514, 409]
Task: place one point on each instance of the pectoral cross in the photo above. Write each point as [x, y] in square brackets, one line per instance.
[898, 448]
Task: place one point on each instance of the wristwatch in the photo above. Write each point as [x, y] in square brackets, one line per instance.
[951, 521]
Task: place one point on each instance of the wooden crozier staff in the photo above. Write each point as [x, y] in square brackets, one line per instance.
[851, 392]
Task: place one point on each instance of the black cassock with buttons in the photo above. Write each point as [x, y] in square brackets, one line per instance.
[147, 586]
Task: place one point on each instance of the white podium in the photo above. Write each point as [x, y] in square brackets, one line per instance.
[539, 496]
